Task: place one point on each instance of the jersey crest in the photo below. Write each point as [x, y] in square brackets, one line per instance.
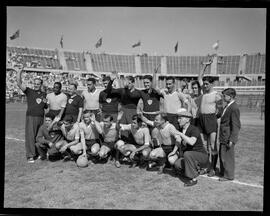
[38, 100]
[149, 101]
[70, 101]
[108, 100]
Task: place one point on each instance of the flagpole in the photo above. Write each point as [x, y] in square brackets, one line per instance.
[140, 47]
[100, 36]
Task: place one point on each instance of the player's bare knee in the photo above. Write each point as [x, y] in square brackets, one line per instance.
[59, 144]
[145, 153]
[172, 159]
[95, 149]
[102, 154]
[119, 144]
[152, 155]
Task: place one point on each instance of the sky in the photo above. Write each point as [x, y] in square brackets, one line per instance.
[239, 30]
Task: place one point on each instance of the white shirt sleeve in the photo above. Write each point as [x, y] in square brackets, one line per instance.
[48, 98]
[64, 101]
[182, 97]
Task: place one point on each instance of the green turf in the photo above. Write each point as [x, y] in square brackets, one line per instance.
[63, 185]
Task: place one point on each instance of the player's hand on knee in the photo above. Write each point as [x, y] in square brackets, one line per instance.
[63, 149]
[132, 155]
[50, 144]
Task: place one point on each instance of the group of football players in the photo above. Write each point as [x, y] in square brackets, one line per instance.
[151, 128]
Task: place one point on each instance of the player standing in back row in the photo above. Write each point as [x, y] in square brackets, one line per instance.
[91, 98]
[109, 102]
[57, 101]
[210, 110]
[74, 105]
[36, 103]
[173, 101]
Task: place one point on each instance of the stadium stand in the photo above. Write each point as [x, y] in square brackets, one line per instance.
[149, 63]
[228, 64]
[186, 64]
[245, 73]
[34, 58]
[255, 64]
[75, 61]
[108, 63]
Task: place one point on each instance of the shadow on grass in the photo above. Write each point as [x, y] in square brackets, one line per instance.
[176, 174]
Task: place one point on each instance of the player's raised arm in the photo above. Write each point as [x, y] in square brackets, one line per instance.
[185, 100]
[116, 82]
[19, 79]
[154, 81]
[109, 90]
[202, 71]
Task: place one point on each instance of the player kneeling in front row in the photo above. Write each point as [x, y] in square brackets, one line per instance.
[107, 128]
[89, 130]
[194, 153]
[71, 134]
[48, 135]
[89, 145]
[167, 136]
[142, 142]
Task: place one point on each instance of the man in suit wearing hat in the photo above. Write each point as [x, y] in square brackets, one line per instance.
[191, 149]
[229, 130]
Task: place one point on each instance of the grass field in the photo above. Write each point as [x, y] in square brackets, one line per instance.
[102, 186]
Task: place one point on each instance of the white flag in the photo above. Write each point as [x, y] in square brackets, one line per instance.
[216, 45]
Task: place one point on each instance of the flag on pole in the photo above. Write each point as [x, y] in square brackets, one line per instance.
[136, 44]
[216, 45]
[99, 43]
[61, 42]
[176, 47]
[15, 35]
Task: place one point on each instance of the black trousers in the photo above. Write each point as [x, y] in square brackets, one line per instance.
[227, 161]
[43, 148]
[192, 159]
[32, 124]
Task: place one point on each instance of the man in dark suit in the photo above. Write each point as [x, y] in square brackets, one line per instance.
[229, 129]
[192, 153]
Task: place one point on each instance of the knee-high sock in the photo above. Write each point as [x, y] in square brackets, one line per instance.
[161, 161]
